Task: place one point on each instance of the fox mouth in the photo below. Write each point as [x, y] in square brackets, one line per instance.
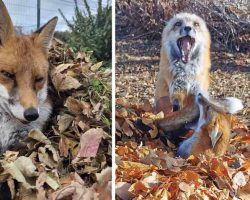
[185, 45]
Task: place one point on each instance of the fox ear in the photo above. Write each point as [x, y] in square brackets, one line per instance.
[6, 26]
[45, 34]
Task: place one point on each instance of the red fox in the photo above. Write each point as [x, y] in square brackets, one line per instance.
[213, 129]
[24, 104]
[185, 55]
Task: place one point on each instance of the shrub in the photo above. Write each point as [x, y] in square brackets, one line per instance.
[228, 20]
[92, 32]
[62, 35]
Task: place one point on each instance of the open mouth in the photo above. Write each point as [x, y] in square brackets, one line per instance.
[185, 45]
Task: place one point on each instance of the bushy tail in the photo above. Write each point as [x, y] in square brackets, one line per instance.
[230, 105]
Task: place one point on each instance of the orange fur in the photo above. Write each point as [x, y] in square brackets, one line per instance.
[188, 109]
[176, 120]
[203, 143]
[21, 56]
[24, 62]
[165, 76]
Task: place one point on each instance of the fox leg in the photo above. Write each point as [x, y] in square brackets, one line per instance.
[161, 87]
[185, 148]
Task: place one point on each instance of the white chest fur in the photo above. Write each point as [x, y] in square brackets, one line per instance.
[12, 131]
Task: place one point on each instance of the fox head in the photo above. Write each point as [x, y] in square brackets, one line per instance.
[185, 37]
[23, 68]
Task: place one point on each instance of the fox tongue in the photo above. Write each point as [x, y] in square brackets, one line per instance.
[185, 49]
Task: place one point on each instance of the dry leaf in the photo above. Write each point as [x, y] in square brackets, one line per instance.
[89, 143]
[63, 82]
[96, 66]
[48, 155]
[26, 166]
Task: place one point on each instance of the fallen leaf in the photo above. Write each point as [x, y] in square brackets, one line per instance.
[121, 190]
[16, 174]
[96, 66]
[38, 136]
[48, 155]
[26, 166]
[64, 121]
[89, 142]
[63, 82]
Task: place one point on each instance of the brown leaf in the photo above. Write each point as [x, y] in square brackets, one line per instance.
[96, 66]
[103, 186]
[64, 121]
[121, 190]
[48, 155]
[62, 67]
[63, 82]
[126, 129]
[139, 188]
[67, 145]
[78, 107]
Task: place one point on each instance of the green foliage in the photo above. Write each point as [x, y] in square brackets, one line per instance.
[92, 32]
[100, 90]
[63, 35]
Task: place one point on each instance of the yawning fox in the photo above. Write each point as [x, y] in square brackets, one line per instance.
[24, 104]
[186, 46]
[184, 62]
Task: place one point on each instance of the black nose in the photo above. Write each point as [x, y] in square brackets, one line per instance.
[31, 114]
[176, 105]
[187, 29]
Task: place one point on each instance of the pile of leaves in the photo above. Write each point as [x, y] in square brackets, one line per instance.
[71, 159]
[148, 169]
[227, 20]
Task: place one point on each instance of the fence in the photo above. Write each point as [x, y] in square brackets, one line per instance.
[27, 15]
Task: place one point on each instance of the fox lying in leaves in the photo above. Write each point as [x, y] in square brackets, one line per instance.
[212, 132]
[24, 103]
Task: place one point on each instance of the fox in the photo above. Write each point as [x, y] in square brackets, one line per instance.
[185, 46]
[24, 102]
[212, 132]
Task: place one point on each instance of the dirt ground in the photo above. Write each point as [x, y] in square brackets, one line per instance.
[137, 66]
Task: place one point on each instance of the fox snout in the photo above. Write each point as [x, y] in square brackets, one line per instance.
[31, 114]
[187, 29]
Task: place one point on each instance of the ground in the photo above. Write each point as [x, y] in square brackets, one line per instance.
[146, 165]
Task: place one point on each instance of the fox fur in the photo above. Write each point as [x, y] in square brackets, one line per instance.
[213, 130]
[23, 79]
[173, 68]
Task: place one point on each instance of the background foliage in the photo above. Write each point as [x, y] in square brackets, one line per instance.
[91, 32]
[228, 20]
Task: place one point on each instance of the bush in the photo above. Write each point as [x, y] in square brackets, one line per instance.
[92, 33]
[228, 20]
[63, 36]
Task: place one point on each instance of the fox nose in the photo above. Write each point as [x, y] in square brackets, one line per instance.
[31, 114]
[187, 29]
[176, 105]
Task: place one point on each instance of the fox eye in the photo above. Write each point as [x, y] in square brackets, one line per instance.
[177, 24]
[39, 79]
[196, 24]
[8, 74]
